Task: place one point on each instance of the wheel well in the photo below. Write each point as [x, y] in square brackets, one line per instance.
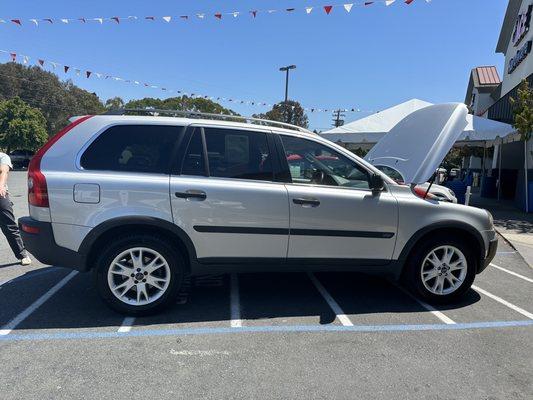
[129, 229]
[469, 238]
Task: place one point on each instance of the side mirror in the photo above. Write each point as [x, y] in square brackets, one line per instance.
[376, 183]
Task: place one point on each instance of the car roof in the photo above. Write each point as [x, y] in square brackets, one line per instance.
[115, 119]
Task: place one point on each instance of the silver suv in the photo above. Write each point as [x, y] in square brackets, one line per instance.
[144, 201]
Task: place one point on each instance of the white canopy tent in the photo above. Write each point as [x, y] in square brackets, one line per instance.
[367, 131]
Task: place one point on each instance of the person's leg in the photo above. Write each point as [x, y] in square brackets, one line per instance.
[10, 228]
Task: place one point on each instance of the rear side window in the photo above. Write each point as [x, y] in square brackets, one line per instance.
[132, 148]
[238, 154]
[231, 153]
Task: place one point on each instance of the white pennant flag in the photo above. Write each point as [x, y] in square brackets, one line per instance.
[308, 10]
[236, 14]
[2, 21]
[272, 11]
[167, 19]
[132, 17]
[101, 20]
[98, 75]
[54, 65]
[77, 72]
[389, 2]
[64, 20]
[35, 22]
[201, 16]
[25, 59]
[348, 7]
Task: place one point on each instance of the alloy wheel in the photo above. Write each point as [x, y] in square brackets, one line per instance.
[444, 270]
[138, 276]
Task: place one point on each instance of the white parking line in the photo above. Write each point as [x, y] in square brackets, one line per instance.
[126, 325]
[429, 307]
[512, 273]
[235, 302]
[504, 302]
[6, 329]
[331, 301]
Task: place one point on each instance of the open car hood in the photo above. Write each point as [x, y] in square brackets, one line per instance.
[416, 145]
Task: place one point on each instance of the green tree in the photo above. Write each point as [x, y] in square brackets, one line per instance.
[290, 112]
[57, 100]
[115, 103]
[523, 111]
[183, 103]
[21, 126]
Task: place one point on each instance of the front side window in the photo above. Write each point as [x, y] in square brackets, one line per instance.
[132, 148]
[391, 173]
[316, 164]
[238, 154]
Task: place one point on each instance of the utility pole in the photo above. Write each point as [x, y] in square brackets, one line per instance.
[338, 118]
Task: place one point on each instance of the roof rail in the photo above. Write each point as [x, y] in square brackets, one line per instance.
[201, 115]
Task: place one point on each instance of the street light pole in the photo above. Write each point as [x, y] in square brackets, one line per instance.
[285, 103]
[286, 70]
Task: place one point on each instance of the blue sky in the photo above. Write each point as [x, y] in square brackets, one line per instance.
[372, 58]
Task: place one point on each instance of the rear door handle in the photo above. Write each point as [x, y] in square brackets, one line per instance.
[192, 194]
[306, 202]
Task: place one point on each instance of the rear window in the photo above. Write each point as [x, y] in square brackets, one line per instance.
[132, 148]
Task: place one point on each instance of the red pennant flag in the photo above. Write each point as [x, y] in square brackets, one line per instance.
[16, 21]
[328, 9]
[408, 1]
[289, 9]
[13, 56]
[116, 19]
[218, 15]
[41, 62]
[184, 17]
[152, 18]
[369, 3]
[48, 20]
[66, 67]
[83, 20]
[88, 73]
[254, 13]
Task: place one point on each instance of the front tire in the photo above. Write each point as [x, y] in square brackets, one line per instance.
[139, 274]
[441, 269]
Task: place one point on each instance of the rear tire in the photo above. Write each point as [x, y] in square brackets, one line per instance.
[139, 274]
[441, 269]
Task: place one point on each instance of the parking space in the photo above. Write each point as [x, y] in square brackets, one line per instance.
[294, 328]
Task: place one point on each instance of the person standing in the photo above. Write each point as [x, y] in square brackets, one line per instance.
[8, 224]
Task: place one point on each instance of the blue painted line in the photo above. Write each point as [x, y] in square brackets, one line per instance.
[263, 329]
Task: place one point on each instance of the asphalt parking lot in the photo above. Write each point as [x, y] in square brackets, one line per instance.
[273, 336]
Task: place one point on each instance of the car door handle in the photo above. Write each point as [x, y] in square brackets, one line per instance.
[192, 194]
[306, 202]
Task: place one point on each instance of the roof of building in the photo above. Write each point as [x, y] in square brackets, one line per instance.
[485, 77]
[508, 25]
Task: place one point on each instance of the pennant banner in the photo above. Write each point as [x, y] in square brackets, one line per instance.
[117, 20]
[40, 62]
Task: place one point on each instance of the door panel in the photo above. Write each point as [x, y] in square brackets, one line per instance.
[231, 208]
[347, 223]
[236, 219]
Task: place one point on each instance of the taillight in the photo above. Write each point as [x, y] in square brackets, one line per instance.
[30, 229]
[421, 192]
[37, 188]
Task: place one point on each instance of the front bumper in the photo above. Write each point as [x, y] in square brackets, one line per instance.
[38, 238]
[491, 253]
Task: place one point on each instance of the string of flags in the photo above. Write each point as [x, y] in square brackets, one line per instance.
[89, 74]
[327, 9]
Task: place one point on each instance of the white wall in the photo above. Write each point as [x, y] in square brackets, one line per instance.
[526, 67]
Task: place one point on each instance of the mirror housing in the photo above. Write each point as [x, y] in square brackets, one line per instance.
[377, 184]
